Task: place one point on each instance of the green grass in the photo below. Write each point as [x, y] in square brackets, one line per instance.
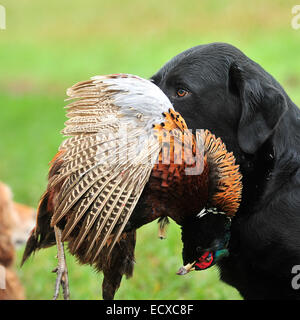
[49, 46]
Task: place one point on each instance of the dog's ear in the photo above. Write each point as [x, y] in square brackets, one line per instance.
[262, 105]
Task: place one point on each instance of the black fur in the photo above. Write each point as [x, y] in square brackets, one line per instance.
[240, 102]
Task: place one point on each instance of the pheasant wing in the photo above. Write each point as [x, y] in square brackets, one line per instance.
[102, 168]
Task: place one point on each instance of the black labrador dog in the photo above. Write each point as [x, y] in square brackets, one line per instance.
[217, 87]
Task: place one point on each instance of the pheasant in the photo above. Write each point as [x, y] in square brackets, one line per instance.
[130, 159]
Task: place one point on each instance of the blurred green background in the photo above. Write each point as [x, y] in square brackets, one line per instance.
[48, 46]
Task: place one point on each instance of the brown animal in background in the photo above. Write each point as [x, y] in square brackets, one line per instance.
[15, 221]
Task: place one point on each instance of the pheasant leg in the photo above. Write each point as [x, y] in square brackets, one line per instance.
[61, 269]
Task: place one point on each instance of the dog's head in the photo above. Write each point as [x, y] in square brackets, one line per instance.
[217, 87]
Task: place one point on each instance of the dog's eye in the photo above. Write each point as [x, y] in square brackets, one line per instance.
[181, 92]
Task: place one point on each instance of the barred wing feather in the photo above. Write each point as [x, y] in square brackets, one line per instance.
[107, 159]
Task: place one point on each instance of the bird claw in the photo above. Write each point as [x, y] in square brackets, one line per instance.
[61, 270]
[63, 281]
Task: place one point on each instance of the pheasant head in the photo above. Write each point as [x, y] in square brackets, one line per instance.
[206, 235]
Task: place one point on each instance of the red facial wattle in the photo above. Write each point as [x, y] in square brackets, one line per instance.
[205, 261]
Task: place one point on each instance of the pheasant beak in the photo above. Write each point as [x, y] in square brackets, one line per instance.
[186, 269]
